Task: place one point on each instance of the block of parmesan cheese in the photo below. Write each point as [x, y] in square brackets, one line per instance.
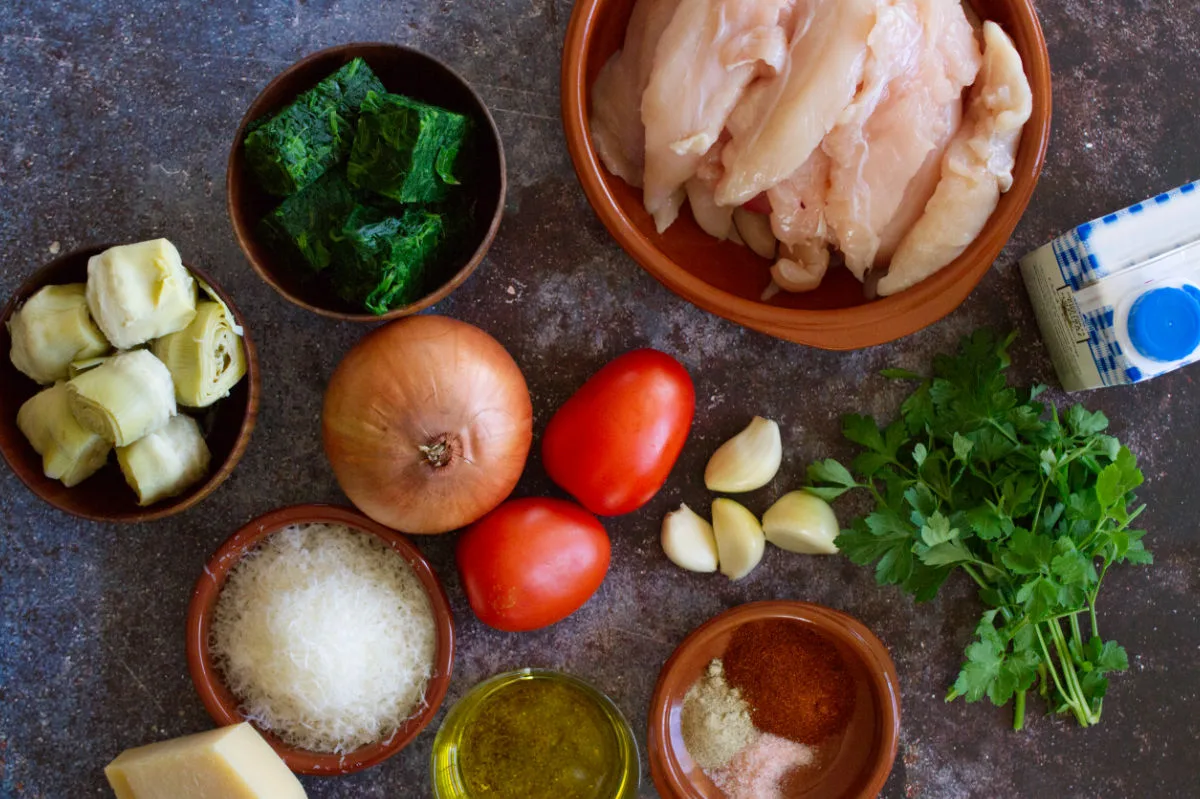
[228, 763]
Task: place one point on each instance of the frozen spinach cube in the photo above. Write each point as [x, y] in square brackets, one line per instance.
[307, 223]
[296, 146]
[382, 260]
[407, 150]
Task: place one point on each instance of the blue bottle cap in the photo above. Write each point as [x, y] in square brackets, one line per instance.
[1164, 324]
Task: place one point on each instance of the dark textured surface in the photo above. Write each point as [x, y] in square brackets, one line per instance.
[115, 120]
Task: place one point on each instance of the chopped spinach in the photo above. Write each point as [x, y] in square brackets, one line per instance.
[382, 260]
[308, 222]
[296, 146]
[407, 150]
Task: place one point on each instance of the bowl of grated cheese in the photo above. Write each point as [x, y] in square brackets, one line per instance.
[327, 631]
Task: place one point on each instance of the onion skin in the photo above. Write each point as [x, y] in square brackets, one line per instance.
[427, 424]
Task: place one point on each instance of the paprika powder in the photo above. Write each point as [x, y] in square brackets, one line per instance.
[794, 679]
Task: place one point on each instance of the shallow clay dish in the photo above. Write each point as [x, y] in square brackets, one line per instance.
[852, 765]
[104, 496]
[403, 71]
[729, 280]
[223, 706]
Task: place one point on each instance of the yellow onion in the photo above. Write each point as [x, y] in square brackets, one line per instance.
[427, 424]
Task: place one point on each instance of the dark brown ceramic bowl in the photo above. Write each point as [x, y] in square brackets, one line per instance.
[223, 706]
[728, 280]
[104, 497]
[853, 765]
[403, 71]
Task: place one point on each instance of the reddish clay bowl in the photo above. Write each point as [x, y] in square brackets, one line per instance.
[404, 71]
[104, 497]
[223, 706]
[854, 765]
[728, 280]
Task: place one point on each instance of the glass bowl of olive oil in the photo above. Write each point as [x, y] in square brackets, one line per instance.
[535, 734]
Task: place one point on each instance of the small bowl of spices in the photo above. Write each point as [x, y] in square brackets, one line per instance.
[535, 734]
[326, 630]
[775, 700]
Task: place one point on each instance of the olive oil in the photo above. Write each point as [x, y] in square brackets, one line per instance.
[535, 735]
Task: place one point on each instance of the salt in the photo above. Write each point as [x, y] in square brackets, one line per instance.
[758, 771]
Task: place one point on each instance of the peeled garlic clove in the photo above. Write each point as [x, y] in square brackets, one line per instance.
[747, 461]
[688, 540]
[740, 541]
[755, 230]
[802, 522]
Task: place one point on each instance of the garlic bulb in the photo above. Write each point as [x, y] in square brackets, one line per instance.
[747, 461]
[688, 541]
[802, 522]
[740, 541]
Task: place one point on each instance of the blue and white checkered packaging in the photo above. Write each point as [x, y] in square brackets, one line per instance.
[1128, 237]
[1086, 285]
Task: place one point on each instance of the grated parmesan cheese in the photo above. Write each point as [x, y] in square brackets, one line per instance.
[326, 637]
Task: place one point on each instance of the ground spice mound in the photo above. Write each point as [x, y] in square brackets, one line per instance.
[794, 679]
[715, 720]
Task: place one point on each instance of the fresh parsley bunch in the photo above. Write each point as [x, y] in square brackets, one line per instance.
[1034, 507]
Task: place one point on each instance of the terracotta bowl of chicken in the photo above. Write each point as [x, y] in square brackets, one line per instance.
[838, 173]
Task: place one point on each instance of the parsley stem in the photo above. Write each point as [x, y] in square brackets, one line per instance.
[1049, 661]
[1077, 701]
[974, 575]
[1075, 630]
[1007, 434]
[1037, 517]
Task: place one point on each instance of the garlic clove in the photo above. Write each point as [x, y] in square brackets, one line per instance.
[802, 522]
[688, 541]
[747, 461]
[740, 541]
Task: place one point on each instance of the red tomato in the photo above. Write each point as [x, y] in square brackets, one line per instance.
[532, 562]
[759, 204]
[613, 443]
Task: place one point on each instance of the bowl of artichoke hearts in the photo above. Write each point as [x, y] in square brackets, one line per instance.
[128, 385]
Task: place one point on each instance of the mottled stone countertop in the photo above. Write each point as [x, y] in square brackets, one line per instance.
[116, 119]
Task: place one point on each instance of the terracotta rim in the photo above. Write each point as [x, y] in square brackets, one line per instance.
[875, 322]
[873, 654]
[169, 507]
[222, 705]
[244, 233]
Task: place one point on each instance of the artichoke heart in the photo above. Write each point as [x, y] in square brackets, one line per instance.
[70, 452]
[167, 462]
[206, 359]
[138, 292]
[125, 398]
[52, 329]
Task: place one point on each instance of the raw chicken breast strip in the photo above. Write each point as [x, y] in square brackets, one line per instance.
[802, 104]
[919, 189]
[922, 55]
[798, 221]
[707, 55]
[617, 130]
[893, 48]
[976, 169]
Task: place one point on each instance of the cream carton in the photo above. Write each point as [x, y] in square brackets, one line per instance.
[1118, 298]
